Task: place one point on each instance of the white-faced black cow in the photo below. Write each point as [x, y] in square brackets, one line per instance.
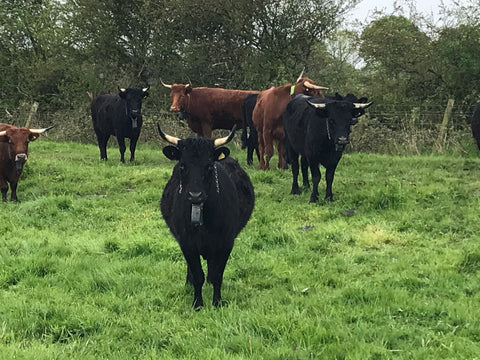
[318, 129]
[119, 115]
[206, 203]
[13, 155]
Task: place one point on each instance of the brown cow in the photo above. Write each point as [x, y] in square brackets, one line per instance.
[13, 155]
[206, 109]
[267, 117]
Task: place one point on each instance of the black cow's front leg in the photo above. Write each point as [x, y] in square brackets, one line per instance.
[197, 276]
[329, 174]
[133, 145]
[216, 267]
[121, 147]
[315, 181]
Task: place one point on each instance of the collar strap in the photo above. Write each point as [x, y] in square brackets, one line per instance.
[292, 89]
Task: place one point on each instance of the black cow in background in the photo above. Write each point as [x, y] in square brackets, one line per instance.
[249, 134]
[119, 115]
[206, 203]
[475, 125]
[318, 129]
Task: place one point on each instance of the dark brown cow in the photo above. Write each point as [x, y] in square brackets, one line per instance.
[13, 155]
[206, 109]
[267, 117]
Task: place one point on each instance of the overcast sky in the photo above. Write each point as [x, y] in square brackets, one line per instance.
[366, 8]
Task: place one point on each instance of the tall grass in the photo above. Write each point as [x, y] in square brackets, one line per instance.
[391, 269]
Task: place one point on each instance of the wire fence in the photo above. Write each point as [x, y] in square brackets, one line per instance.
[396, 129]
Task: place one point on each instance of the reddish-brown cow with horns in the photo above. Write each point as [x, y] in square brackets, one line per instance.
[13, 155]
[206, 109]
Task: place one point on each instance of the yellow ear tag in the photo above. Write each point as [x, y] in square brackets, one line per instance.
[221, 156]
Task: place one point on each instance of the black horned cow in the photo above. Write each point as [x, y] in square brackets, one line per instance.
[119, 115]
[267, 117]
[319, 129]
[13, 155]
[206, 203]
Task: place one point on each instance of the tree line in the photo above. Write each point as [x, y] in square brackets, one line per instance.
[53, 51]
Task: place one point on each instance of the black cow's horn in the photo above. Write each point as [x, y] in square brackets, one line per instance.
[121, 89]
[362, 105]
[167, 86]
[146, 89]
[313, 86]
[318, 106]
[171, 139]
[41, 131]
[226, 139]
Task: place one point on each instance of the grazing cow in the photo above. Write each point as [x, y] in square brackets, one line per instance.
[267, 117]
[206, 203]
[119, 115]
[249, 134]
[206, 109]
[475, 125]
[319, 129]
[13, 155]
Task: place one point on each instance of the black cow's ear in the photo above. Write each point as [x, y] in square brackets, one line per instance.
[222, 153]
[172, 152]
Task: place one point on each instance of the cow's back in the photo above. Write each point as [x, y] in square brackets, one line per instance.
[221, 107]
[105, 109]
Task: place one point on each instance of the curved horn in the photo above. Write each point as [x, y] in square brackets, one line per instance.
[2, 133]
[171, 139]
[226, 139]
[167, 86]
[309, 85]
[362, 105]
[301, 74]
[146, 88]
[318, 106]
[40, 131]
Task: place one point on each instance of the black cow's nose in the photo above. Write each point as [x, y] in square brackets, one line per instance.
[196, 197]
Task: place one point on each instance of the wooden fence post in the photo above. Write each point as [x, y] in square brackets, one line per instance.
[33, 111]
[442, 136]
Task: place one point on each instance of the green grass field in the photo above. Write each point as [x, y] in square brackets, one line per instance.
[390, 270]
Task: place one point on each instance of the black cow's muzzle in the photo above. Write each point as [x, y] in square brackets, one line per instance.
[197, 199]
[341, 143]
[134, 115]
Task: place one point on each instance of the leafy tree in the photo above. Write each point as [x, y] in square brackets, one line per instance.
[457, 65]
[398, 56]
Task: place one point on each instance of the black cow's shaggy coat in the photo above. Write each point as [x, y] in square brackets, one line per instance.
[206, 203]
[249, 133]
[119, 115]
[319, 135]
